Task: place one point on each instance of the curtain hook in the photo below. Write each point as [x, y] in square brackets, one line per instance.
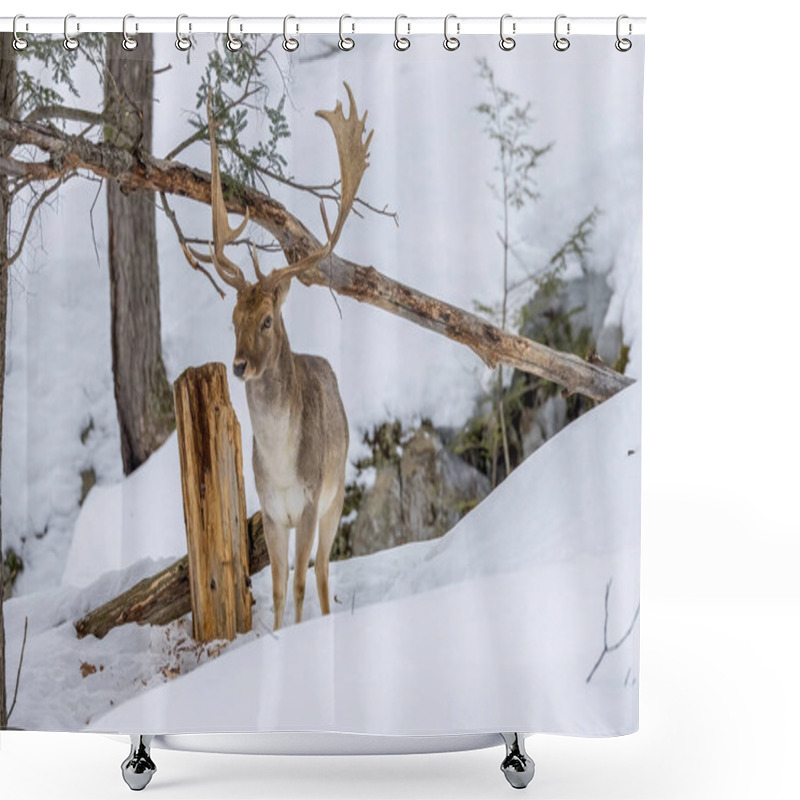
[128, 42]
[400, 42]
[18, 43]
[345, 42]
[561, 43]
[451, 42]
[289, 44]
[233, 44]
[182, 42]
[70, 42]
[507, 42]
[623, 45]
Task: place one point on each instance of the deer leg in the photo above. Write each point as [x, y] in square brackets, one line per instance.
[304, 541]
[328, 527]
[278, 548]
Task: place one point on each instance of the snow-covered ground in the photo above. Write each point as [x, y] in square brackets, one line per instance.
[436, 621]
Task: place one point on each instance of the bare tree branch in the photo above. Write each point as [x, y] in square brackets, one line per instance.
[67, 113]
[193, 262]
[365, 284]
[31, 214]
[610, 648]
[19, 670]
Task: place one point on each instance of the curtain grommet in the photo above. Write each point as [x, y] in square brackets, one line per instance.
[289, 43]
[128, 42]
[507, 43]
[70, 42]
[17, 42]
[345, 42]
[451, 43]
[401, 43]
[233, 44]
[623, 44]
[183, 43]
[561, 43]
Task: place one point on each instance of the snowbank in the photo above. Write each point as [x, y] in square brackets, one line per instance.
[518, 585]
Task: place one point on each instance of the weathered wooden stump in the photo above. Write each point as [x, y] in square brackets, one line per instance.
[210, 446]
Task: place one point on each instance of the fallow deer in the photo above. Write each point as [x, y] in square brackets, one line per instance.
[300, 432]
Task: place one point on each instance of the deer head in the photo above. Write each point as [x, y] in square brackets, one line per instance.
[257, 320]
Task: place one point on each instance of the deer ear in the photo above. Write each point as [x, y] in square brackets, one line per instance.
[280, 291]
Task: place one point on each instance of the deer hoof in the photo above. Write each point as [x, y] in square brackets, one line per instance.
[138, 768]
[517, 766]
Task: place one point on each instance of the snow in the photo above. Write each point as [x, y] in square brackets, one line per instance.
[59, 377]
[550, 537]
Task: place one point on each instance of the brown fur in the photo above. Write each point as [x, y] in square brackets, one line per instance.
[300, 441]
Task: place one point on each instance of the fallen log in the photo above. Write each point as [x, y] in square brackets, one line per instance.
[164, 597]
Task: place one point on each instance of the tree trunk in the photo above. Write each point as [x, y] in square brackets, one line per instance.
[8, 82]
[164, 597]
[212, 480]
[143, 394]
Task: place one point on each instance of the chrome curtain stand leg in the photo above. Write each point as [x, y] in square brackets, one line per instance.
[138, 768]
[517, 766]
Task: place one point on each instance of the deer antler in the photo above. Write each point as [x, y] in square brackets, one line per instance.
[353, 154]
[222, 231]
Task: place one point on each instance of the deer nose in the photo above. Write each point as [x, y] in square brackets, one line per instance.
[239, 368]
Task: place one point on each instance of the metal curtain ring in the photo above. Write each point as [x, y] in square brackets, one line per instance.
[182, 42]
[623, 45]
[18, 43]
[128, 42]
[451, 42]
[507, 42]
[289, 44]
[233, 44]
[345, 42]
[70, 42]
[400, 42]
[561, 43]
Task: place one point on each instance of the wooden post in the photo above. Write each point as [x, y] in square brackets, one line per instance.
[210, 446]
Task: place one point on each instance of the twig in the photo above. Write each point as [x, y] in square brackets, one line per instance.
[31, 214]
[610, 648]
[68, 113]
[91, 221]
[19, 670]
[193, 262]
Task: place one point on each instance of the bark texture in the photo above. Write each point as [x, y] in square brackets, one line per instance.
[8, 84]
[212, 482]
[143, 394]
[164, 597]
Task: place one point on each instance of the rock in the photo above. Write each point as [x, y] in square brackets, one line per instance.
[572, 319]
[419, 496]
[543, 422]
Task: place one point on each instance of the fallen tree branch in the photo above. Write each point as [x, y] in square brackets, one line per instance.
[365, 284]
[164, 597]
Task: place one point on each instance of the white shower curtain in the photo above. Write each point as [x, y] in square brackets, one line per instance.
[454, 394]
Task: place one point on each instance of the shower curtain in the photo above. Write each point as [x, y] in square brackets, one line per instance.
[392, 489]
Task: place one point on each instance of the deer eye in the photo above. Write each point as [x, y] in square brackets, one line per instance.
[267, 323]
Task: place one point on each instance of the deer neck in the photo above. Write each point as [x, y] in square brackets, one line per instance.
[277, 389]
